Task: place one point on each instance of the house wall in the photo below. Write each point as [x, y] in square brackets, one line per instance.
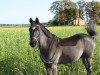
[81, 22]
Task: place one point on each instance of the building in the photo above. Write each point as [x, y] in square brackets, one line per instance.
[79, 22]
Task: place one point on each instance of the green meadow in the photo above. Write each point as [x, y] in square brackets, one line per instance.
[18, 58]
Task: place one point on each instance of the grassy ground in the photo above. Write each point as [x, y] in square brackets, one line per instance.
[18, 58]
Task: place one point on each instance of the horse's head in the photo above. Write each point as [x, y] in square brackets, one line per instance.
[34, 31]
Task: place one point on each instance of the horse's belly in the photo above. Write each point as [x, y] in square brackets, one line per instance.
[70, 55]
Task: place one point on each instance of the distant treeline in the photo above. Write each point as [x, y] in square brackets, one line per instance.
[19, 25]
[14, 25]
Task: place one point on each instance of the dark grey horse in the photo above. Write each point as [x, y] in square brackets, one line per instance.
[54, 50]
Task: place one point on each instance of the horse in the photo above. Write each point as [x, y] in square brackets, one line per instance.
[55, 50]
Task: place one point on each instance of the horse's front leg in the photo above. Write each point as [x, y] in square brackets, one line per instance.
[54, 69]
[51, 69]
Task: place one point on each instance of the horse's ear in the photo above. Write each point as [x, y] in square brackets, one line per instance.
[37, 20]
[30, 20]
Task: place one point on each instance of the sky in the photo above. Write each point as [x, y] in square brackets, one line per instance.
[19, 11]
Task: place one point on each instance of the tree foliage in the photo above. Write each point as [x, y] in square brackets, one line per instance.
[55, 7]
[81, 6]
[63, 10]
[67, 11]
[93, 9]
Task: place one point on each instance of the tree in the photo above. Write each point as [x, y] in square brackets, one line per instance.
[56, 7]
[70, 15]
[93, 9]
[81, 6]
[61, 9]
[81, 9]
[89, 10]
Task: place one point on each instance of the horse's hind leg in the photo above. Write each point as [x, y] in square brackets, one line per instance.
[88, 66]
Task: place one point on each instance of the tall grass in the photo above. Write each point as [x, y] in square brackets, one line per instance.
[18, 58]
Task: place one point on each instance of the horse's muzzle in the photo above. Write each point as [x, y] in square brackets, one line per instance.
[32, 44]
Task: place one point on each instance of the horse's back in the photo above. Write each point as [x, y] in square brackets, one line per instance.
[71, 41]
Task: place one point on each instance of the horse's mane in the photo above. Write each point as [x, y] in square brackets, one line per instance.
[47, 32]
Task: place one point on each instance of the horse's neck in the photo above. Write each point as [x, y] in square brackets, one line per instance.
[47, 45]
[43, 40]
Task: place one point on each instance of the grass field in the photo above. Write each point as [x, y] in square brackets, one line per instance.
[18, 58]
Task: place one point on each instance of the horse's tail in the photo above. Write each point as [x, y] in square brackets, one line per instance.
[91, 32]
[91, 28]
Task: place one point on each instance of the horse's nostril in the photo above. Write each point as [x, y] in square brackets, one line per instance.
[32, 44]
